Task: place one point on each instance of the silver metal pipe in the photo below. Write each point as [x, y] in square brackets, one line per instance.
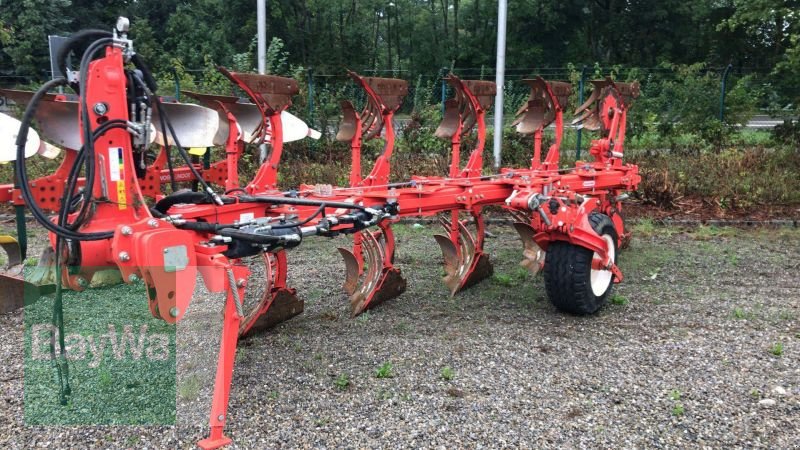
[502, 12]
[261, 18]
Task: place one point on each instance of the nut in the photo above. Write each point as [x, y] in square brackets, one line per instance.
[100, 108]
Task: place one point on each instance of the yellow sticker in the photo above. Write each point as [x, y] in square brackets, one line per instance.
[122, 197]
[198, 151]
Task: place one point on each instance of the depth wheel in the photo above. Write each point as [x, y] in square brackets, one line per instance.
[571, 284]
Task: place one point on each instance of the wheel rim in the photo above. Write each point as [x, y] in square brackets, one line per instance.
[601, 279]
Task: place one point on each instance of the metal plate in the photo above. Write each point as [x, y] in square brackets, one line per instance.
[176, 258]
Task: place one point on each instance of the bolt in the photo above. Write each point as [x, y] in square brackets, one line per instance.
[220, 417]
[152, 223]
[80, 281]
[100, 108]
[240, 282]
[124, 256]
[174, 311]
[126, 230]
[133, 278]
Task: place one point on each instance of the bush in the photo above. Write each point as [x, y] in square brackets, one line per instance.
[687, 102]
[788, 132]
[729, 179]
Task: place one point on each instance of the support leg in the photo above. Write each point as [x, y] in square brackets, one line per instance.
[226, 359]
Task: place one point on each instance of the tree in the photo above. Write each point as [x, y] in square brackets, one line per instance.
[27, 25]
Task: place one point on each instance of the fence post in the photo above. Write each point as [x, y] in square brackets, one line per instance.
[444, 88]
[722, 92]
[580, 102]
[310, 95]
[177, 84]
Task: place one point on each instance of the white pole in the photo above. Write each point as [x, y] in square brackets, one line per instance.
[502, 12]
[261, 18]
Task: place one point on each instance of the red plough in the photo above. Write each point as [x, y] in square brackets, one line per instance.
[111, 210]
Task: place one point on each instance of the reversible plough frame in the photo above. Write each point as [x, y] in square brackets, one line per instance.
[117, 215]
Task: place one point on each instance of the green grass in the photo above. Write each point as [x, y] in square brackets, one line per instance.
[503, 279]
[403, 327]
[677, 407]
[517, 277]
[644, 227]
[385, 370]
[189, 388]
[741, 313]
[617, 299]
[447, 373]
[777, 349]
[706, 232]
[342, 382]
[363, 318]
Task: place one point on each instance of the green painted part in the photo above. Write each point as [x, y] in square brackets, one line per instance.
[22, 231]
[580, 102]
[207, 158]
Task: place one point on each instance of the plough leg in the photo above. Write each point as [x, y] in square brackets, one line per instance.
[273, 304]
[225, 361]
[372, 279]
[465, 263]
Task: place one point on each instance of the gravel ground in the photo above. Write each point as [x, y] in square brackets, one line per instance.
[685, 356]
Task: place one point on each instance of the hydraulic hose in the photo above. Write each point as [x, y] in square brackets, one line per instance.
[22, 174]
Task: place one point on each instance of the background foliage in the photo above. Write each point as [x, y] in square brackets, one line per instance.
[412, 37]
[676, 49]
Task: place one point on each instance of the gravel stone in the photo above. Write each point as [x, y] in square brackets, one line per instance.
[696, 336]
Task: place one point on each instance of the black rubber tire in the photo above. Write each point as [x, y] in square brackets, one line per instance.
[567, 272]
